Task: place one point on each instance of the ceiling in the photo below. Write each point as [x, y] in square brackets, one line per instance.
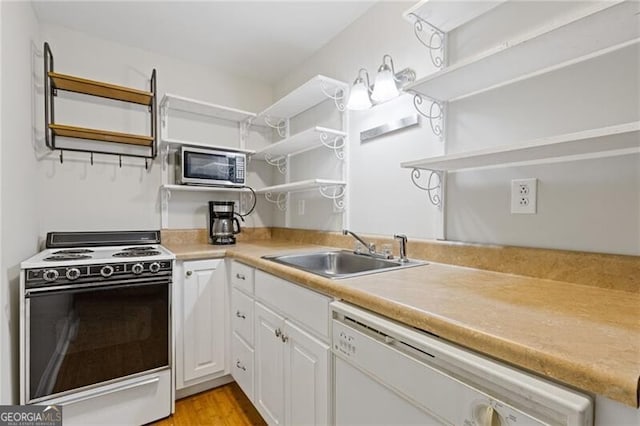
[259, 40]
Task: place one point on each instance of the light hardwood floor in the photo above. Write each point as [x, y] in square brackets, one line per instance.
[224, 406]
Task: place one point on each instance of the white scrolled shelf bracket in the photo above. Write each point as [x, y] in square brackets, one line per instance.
[280, 200]
[435, 113]
[280, 126]
[434, 40]
[337, 96]
[434, 190]
[335, 193]
[279, 162]
[336, 144]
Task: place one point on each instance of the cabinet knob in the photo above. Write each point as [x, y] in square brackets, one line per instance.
[278, 332]
[240, 366]
[240, 277]
[240, 315]
[189, 273]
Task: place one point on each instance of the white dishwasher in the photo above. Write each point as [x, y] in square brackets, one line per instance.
[386, 373]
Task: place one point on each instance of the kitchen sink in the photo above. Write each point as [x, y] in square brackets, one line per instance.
[340, 263]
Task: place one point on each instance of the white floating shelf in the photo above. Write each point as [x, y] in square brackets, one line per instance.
[449, 15]
[623, 139]
[176, 143]
[304, 185]
[195, 188]
[310, 94]
[194, 106]
[300, 142]
[564, 42]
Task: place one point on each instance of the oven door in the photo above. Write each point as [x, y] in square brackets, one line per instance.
[81, 337]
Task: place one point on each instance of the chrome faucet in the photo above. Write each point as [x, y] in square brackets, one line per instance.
[370, 246]
[403, 246]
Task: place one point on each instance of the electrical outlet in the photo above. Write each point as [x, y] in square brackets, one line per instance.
[301, 207]
[524, 196]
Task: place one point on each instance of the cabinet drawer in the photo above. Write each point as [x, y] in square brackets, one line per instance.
[242, 276]
[306, 307]
[242, 365]
[242, 315]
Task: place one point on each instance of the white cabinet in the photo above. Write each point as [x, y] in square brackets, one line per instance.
[292, 370]
[200, 317]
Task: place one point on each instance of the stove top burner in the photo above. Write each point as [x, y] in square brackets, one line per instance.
[136, 253]
[66, 256]
[73, 251]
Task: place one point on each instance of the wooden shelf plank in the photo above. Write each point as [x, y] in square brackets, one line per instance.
[98, 88]
[298, 143]
[560, 44]
[623, 139]
[100, 135]
[304, 97]
[208, 109]
[303, 185]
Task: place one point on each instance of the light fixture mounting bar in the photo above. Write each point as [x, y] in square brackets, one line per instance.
[432, 38]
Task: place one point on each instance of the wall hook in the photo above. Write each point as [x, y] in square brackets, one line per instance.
[146, 164]
[92, 158]
[61, 157]
[120, 159]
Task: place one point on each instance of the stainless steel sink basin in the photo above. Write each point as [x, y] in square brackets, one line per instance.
[340, 263]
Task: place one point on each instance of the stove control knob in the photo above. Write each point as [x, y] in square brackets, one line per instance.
[137, 268]
[154, 267]
[73, 273]
[50, 275]
[106, 271]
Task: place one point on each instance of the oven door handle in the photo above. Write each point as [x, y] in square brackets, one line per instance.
[83, 288]
[102, 392]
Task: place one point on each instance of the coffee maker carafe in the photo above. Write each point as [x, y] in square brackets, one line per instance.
[223, 224]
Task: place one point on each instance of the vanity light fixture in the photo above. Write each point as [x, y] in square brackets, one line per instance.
[387, 85]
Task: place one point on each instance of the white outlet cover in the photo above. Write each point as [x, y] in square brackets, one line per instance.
[524, 196]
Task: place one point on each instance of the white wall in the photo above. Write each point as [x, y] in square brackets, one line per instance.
[585, 205]
[18, 176]
[382, 199]
[79, 196]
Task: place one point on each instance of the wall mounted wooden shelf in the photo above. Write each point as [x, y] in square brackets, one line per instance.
[100, 135]
[98, 88]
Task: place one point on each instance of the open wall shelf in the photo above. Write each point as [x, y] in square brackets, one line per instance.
[195, 188]
[562, 43]
[53, 82]
[332, 189]
[194, 106]
[448, 15]
[306, 140]
[177, 143]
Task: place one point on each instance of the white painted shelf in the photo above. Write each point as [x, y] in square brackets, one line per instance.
[449, 15]
[196, 188]
[301, 142]
[562, 43]
[623, 139]
[177, 143]
[195, 106]
[304, 185]
[310, 94]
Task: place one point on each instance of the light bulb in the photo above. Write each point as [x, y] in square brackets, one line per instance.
[359, 96]
[385, 87]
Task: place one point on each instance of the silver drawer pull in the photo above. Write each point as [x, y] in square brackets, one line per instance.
[240, 277]
[240, 315]
[278, 332]
[240, 366]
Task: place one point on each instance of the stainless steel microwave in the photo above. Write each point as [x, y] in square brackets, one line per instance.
[196, 166]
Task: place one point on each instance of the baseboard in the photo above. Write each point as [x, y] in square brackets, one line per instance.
[201, 387]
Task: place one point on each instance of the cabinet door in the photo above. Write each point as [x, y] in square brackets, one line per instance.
[269, 365]
[306, 378]
[203, 319]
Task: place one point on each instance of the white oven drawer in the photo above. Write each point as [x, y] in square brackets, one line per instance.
[133, 401]
[242, 315]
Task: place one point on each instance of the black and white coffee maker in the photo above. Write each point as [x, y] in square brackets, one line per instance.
[223, 224]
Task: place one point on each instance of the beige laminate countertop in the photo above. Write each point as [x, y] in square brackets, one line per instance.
[584, 336]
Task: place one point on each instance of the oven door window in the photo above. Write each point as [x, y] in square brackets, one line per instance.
[208, 166]
[82, 337]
